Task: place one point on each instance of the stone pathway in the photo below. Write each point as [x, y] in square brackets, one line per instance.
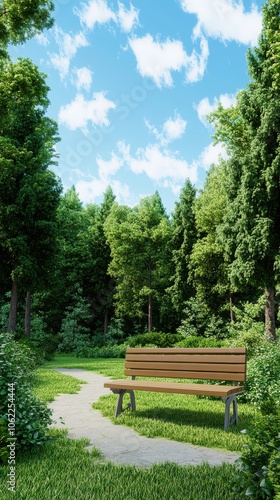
[118, 443]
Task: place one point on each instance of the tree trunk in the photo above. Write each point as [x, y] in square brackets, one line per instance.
[150, 320]
[231, 311]
[270, 314]
[106, 322]
[13, 309]
[27, 325]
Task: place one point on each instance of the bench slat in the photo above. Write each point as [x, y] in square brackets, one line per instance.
[234, 377]
[205, 367]
[181, 358]
[173, 387]
[186, 350]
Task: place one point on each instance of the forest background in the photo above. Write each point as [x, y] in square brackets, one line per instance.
[76, 278]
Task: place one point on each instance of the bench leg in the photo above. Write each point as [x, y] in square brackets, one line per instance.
[121, 393]
[228, 401]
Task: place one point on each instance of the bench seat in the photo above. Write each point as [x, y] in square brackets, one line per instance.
[222, 391]
[219, 364]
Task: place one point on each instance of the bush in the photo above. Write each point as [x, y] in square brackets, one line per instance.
[32, 417]
[259, 466]
[194, 341]
[156, 339]
[248, 328]
[109, 351]
[263, 378]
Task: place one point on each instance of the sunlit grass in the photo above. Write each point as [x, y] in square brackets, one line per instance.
[49, 383]
[64, 470]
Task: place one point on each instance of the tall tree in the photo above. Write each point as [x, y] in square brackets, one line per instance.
[29, 193]
[138, 241]
[208, 270]
[251, 227]
[101, 285]
[184, 235]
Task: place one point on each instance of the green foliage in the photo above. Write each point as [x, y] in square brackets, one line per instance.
[263, 378]
[106, 351]
[199, 320]
[195, 341]
[75, 329]
[248, 328]
[32, 417]
[155, 339]
[4, 435]
[23, 19]
[258, 468]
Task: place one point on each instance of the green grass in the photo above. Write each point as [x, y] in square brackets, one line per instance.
[49, 383]
[188, 419]
[64, 470]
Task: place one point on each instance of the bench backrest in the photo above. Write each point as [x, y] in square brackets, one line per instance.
[190, 363]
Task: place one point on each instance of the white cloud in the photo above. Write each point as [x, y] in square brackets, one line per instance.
[196, 63]
[127, 18]
[42, 39]
[82, 78]
[68, 46]
[80, 112]
[98, 12]
[204, 107]
[211, 155]
[158, 164]
[95, 11]
[225, 19]
[88, 191]
[156, 60]
[173, 129]
[108, 168]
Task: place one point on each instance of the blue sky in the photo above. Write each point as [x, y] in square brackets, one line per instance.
[131, 84]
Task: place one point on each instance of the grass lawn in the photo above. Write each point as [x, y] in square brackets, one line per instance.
[62, 469]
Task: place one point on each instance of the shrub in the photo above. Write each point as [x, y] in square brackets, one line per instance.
[194, 341]
[156, 339]
[248, 328]
[258, 467]
[32, 417]
[109, 351]
[4, 435]
[263, 378]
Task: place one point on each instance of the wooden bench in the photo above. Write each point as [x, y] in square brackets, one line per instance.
[223, 364]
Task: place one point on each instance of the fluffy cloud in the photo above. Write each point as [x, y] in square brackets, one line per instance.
[68, 46]
[98, 12]
[204, 107]
[95, 11]
[110, 167]
[211, 155]
[225, 19]
[156, 60]
[88, 191]
[158, 164]
[127, 18]
[196, 63]
[80, 112]
[173, 129]
[82, 78]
